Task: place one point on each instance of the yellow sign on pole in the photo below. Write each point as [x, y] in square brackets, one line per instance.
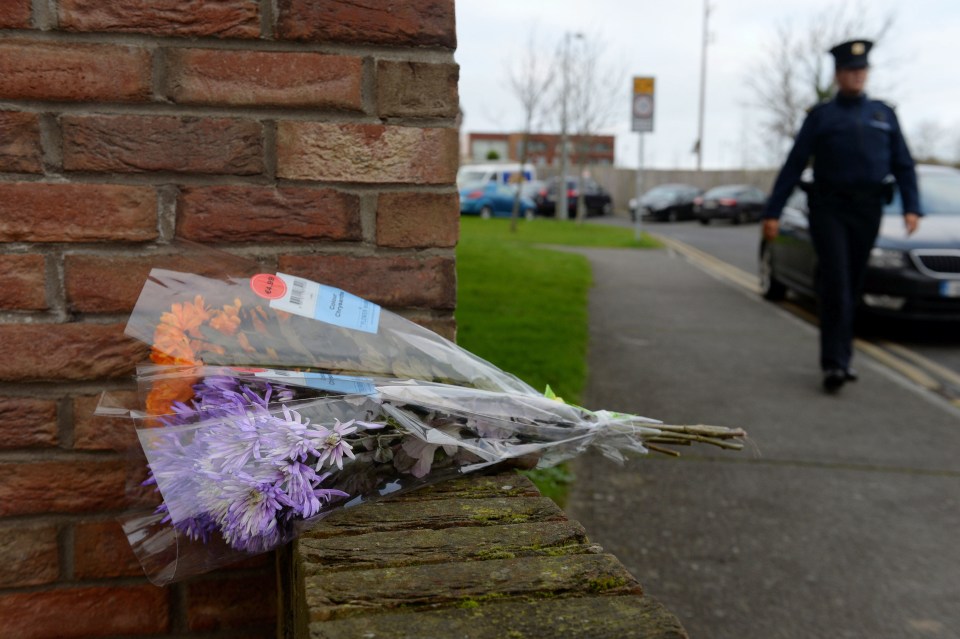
[642, 106]
[643, 85]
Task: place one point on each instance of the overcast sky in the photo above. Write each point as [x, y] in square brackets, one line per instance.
[914, 69]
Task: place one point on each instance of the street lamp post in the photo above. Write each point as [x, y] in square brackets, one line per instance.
[703, 82]
[562, 204]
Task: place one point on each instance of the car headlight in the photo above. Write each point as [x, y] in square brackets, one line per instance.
[887, 258]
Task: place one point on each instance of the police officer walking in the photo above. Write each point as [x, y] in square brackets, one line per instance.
[855, 143]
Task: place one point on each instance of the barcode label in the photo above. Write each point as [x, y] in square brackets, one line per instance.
[296, 293]
[327, 304]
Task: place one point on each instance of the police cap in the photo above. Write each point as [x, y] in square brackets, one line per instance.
[852, 54]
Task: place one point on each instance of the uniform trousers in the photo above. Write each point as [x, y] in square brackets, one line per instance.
[843, 230]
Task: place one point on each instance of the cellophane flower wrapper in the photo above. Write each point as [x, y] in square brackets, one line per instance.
[271, 402]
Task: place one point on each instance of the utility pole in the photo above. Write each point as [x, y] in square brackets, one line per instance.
[703, 82]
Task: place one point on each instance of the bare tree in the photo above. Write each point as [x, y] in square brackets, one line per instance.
[594, 90]
[795, 72]
[530, 77]
[928, 140]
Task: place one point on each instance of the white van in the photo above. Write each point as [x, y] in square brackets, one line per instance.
[500, 172]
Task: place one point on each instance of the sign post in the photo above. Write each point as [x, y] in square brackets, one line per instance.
[642, 104]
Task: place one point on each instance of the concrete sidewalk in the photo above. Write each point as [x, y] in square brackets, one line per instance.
[840, 519]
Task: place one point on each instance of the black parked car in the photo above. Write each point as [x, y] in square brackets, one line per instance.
[916, 276]
[738, 203]
[596, 198]
[667, 203]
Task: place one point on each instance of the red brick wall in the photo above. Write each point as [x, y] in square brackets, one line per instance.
[318, 135]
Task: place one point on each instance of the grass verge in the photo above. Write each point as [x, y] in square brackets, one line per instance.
[523, 307]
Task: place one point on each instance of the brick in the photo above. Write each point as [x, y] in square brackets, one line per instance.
[388, 281]
[443, 326]
[20, 150]
[101, 551]
[112, 283]
[62, 486]
[54, 352]
[107, 284]
[86, 612]
[417, 89]
[386, 22]
[265, 214]
[23, 282]
[232, 603]
[177, 18]
[138, 144]
[366, 153]
[92, 432]
[74, 72]
[27, 422]
[15, 14]
[41, 212]
[29, 555]
[418, 220]
[253, 78]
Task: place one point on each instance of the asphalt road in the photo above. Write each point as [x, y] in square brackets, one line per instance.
[840, 517]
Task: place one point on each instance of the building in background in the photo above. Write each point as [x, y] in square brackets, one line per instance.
[543, 149]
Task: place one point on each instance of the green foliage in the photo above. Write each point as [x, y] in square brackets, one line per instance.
[546, 231]
[525, 309]
[553, 482]
[493, 155]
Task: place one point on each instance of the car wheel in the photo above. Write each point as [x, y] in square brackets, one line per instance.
[672, 216]
[740, 217]
[529, 215]
[486, 213]
[607, 208]
[770, 287]
[705, 220]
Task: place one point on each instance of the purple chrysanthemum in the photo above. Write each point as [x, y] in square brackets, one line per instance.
[332, 445]
[235, 461]
[248, 511]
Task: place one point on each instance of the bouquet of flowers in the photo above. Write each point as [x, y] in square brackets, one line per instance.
[271, 401]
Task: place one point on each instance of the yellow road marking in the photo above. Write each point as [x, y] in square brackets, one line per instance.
[711, 263]
[921, 371]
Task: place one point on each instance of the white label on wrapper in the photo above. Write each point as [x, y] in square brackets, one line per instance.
[322, 381]
[326, 304]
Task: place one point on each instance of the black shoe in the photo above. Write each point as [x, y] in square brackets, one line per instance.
[851, 375]
[834, 379]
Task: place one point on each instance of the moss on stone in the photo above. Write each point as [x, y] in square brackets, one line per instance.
[602, 584]
[492, 515]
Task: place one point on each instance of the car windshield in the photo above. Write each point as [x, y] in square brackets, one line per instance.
[662, 191]
[471, 177]
[939, 194]
[723, 191]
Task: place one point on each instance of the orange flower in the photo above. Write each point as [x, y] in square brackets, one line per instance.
[167, 391]
[170, 343]
[227, 321]
[188, 317]
[244, 342]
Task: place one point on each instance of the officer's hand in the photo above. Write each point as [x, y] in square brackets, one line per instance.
[912, 222]
[771, 228]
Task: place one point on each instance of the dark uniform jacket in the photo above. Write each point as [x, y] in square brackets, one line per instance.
[855, 143]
